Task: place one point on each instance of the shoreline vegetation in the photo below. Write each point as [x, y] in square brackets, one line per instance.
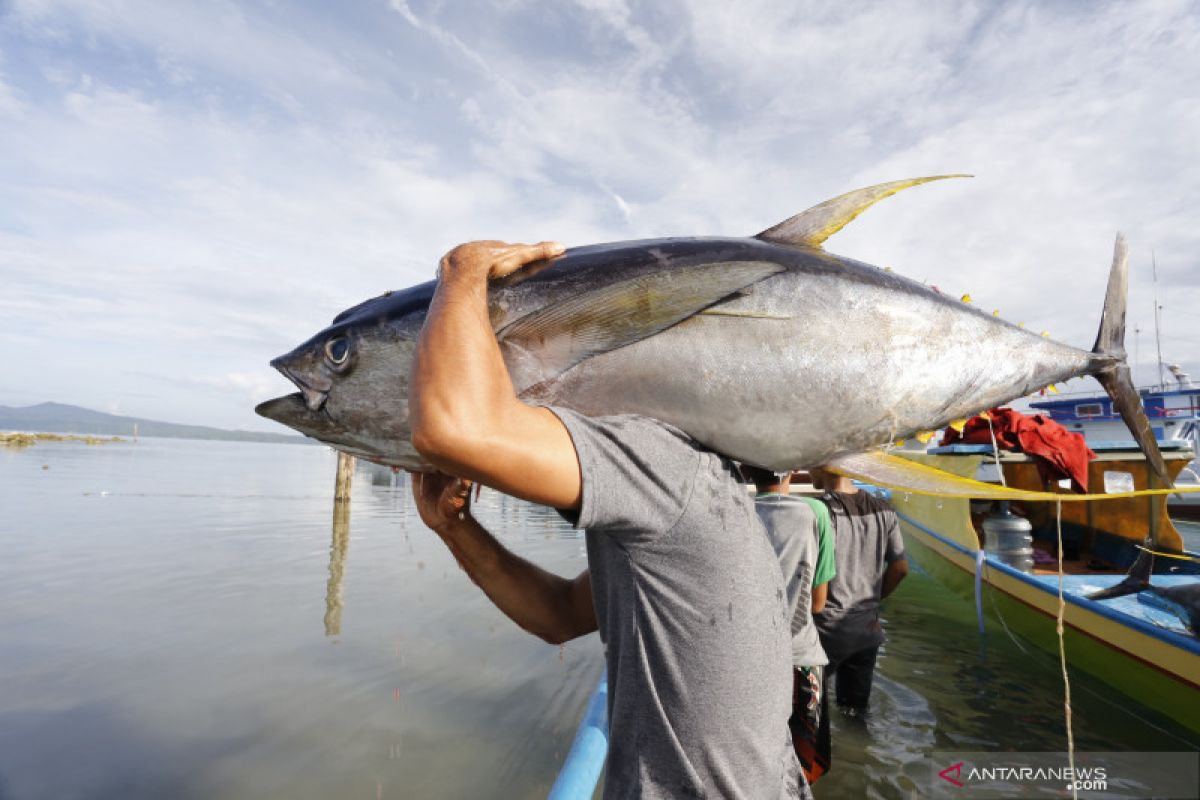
[79, 421]
[20, 440]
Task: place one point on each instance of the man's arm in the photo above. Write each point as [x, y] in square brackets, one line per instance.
[896, 571]
[819, 595]
[548, 606]
[466, 419]
[897, 564]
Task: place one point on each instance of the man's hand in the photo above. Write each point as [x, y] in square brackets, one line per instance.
[548, 606]
[441, 499]
[494, 259]
[465, 417]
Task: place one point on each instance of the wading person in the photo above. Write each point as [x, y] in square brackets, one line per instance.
[870, 565]
[799, 531]
[685, 590]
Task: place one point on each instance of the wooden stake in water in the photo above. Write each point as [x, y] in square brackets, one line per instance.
[337, 568]
[345, 475]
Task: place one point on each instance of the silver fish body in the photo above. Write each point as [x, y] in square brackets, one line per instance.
[778, 355]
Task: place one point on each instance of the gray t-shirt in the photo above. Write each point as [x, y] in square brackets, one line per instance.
[691, 609]
[866, 539]
[792, 530]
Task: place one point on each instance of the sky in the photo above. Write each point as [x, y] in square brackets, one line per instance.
[190, 189]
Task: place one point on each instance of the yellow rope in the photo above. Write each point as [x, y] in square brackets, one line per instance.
[1062, 653]
[1180, 556]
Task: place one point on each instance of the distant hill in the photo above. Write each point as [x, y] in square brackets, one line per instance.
[63, 418]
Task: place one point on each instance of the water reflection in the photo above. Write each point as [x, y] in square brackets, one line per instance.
[337, 568]
[218, 557]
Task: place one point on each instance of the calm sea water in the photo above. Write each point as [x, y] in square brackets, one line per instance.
[188, 619]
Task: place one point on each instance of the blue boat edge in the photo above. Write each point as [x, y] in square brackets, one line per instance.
[584, 763]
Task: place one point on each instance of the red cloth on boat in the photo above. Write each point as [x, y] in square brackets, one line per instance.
[1058, 452]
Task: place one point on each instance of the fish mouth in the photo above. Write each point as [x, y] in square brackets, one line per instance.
[289, 410]
[314, 398]
[294, 411]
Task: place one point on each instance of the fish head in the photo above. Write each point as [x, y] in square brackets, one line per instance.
[353, 382]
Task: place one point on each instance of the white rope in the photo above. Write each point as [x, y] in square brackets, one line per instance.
[996, 452]
[1062, 652]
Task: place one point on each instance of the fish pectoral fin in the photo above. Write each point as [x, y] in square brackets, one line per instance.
[812, 227]
[551, 340]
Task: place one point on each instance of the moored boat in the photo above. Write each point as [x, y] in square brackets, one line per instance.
[1139, 644]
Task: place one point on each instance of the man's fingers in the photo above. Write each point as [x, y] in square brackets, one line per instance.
[496, 259]
[511, 258]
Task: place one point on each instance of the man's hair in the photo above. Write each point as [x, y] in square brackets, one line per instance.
[760, 477]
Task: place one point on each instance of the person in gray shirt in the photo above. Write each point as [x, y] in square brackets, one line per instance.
[800, 533]
[870, 563]
[681, 583]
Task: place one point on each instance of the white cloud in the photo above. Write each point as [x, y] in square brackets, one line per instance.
[194, 188]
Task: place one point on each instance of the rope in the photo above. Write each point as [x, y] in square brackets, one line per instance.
[1062, 652]
[1042, 659]
[996, 451]
[1180, 556]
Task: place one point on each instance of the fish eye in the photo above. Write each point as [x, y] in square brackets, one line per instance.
[338, 350]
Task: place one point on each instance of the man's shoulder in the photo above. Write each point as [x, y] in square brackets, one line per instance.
[879, 504]
[631, 424]
[857, 503]
[790, 503]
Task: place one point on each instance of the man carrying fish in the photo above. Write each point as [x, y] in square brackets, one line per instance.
[726, 341]
[682, 583]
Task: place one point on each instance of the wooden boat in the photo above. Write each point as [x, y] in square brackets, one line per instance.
[1132, 642]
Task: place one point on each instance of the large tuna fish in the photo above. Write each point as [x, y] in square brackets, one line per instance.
[767, 349]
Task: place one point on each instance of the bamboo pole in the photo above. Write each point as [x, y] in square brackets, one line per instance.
[345, 476]
[337, 568]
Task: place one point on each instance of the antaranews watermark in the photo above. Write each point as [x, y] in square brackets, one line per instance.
[1118, 776]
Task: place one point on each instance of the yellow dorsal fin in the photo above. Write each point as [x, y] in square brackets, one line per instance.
[924, 436]
[958, 424]
[812, 227]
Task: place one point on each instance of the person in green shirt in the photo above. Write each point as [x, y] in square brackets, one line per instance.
[800, 531]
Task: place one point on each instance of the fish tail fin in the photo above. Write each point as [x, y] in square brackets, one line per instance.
[1111, 370]
[1136, 580]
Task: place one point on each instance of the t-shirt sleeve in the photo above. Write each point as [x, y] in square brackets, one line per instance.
[637, 472]
[895, 542]
[826, 567]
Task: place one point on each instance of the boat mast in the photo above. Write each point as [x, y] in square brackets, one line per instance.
[1137, 348]
[1157, 309]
